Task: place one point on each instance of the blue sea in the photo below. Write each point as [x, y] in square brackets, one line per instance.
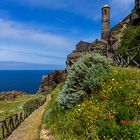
[22, 80]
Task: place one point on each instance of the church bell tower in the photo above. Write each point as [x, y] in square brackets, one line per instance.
[105, 22]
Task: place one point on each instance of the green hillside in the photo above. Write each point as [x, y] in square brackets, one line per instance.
[11, 107]
[104, 111]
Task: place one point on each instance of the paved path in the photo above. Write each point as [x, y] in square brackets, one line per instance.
[30, 128]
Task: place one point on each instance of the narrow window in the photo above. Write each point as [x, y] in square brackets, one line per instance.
[105, 12]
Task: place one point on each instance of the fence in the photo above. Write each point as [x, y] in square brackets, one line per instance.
[126, 58]
[8, 125]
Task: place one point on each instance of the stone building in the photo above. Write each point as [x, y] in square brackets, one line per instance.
[110, 38]
[83, 46]
[105, 22]
[97, 46]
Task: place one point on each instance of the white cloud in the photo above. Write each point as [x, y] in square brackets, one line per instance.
[14, 30]
[20, 42]
[29, 57]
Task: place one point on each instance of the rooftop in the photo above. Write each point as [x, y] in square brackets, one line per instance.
[106, 5]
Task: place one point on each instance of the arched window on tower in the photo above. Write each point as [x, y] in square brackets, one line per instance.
[105, 12]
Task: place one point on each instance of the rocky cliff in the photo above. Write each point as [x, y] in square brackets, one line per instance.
[51, 80]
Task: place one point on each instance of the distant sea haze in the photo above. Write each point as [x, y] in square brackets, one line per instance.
[21, 80]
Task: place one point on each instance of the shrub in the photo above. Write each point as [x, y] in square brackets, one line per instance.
[130, 39]
[84, 76]
[47, 115]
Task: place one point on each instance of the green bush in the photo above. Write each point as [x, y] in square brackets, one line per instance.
[47, 115]
[130, 39]
[84, 76]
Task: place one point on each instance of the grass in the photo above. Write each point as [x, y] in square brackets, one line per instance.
[8, 108]
[109, 113]
[30, 128]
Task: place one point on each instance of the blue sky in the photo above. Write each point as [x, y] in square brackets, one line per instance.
[39, 34]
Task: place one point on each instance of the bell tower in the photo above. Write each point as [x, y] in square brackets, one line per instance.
[105, 22]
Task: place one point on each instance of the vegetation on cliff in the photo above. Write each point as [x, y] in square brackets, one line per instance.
[11, 107]
[110, 111]
[8, 108]
[130, 39]
[84, 76]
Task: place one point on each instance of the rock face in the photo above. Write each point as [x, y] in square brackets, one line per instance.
[46, 135]
[51, 80]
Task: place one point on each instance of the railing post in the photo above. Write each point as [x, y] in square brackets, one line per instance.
[125, 58]
[8, 125]
[3, 132]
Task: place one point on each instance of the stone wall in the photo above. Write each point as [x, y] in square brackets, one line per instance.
[117, 32]
[82, 47]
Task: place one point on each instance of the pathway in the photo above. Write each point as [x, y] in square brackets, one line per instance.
[30, 128]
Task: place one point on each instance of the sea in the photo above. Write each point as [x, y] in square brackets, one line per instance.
[22, 80]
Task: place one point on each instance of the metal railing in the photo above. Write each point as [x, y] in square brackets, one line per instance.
[126, 58]
[9, 124]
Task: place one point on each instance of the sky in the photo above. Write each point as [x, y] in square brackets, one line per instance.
[39, 34]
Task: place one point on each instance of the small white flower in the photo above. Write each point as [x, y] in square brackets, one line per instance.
[79, 109]
[113, 79]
